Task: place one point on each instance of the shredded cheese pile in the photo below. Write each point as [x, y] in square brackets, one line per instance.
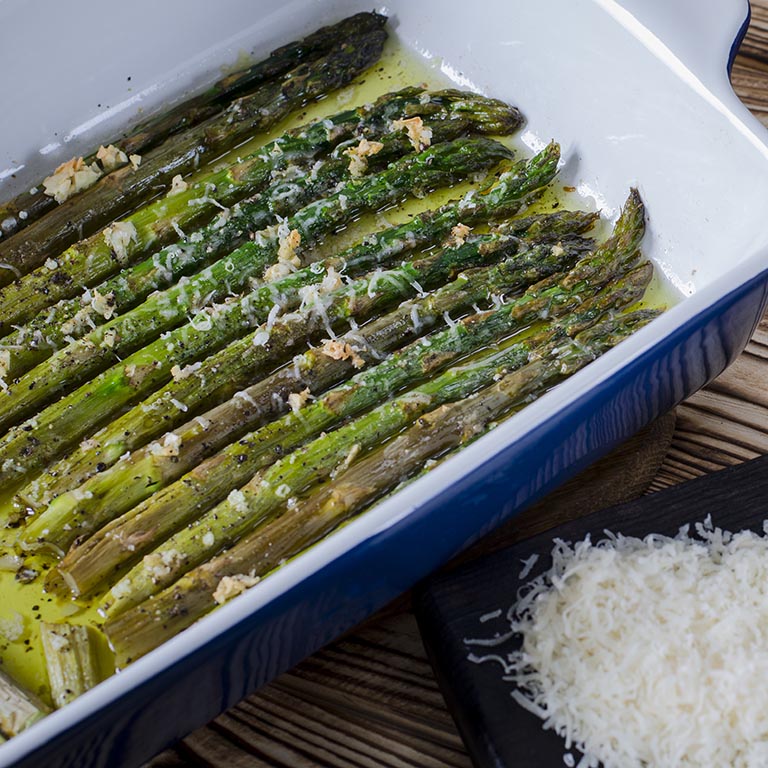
[650, 652]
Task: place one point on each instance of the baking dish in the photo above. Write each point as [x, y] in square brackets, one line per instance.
[628, 93]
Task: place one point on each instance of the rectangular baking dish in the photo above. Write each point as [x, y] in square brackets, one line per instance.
[637, 93]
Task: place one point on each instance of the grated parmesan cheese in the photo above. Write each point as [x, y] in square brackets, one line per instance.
[419, 135]
[649, 652]
[70, 178]
[232, 586]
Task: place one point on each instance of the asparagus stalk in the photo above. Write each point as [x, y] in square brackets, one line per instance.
[34, 203]
[70, 659]
[309, 520]
[504, 198]
[100, 256]
[95, 502]
[440, 164]
[247, 359]
[223, 91]
[282, 485]
[33, 444]
[139, 426]
[125, 188]
[451, 113]
[96, 560]
[18, 708]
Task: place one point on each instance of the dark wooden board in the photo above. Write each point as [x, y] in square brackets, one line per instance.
[498, 732]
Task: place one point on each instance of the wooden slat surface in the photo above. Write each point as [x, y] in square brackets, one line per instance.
[370, 700]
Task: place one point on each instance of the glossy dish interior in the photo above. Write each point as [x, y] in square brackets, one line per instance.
[593, 99]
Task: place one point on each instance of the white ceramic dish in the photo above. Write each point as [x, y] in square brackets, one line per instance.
[628, 93]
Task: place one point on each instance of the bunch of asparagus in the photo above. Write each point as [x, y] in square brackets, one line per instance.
[192, 395]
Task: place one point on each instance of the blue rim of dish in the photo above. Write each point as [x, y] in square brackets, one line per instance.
[739, 39]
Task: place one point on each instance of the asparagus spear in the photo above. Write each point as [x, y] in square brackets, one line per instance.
[438, 165]
[70, 659]
[450, 114]
[97, 559]
[104, 252]
[32, 444]
[617, 255]
[457, 418]
[222, 374]
[93, 503]
[125, 188]
[139, 426]
[34, 204]
[18, 708]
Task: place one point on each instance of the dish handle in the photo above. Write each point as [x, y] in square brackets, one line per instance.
[704, 35]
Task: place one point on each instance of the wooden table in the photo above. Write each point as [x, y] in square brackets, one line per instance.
[370, 699]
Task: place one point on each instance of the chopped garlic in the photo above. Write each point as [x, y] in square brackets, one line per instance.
[70, 178]
[287, 260]
[348, 459]
[135, 161]
[331, 281]
[288, 246]
[51, 264]
[179, 374]
[232, 586]
[110, 337]
[170, 446]
[119, 236]
[5, 362]
[458, 235]
[237, 499]
[358, 156]
[13, 627]
[339, 350]
[557, 250]
[297, 399]
[178, 185]
[111, 157]
[419, 134]
[209, 539]
[90, 444]
[160, 564]
[103, 304]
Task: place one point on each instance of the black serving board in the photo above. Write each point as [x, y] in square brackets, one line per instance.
[497, 732]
